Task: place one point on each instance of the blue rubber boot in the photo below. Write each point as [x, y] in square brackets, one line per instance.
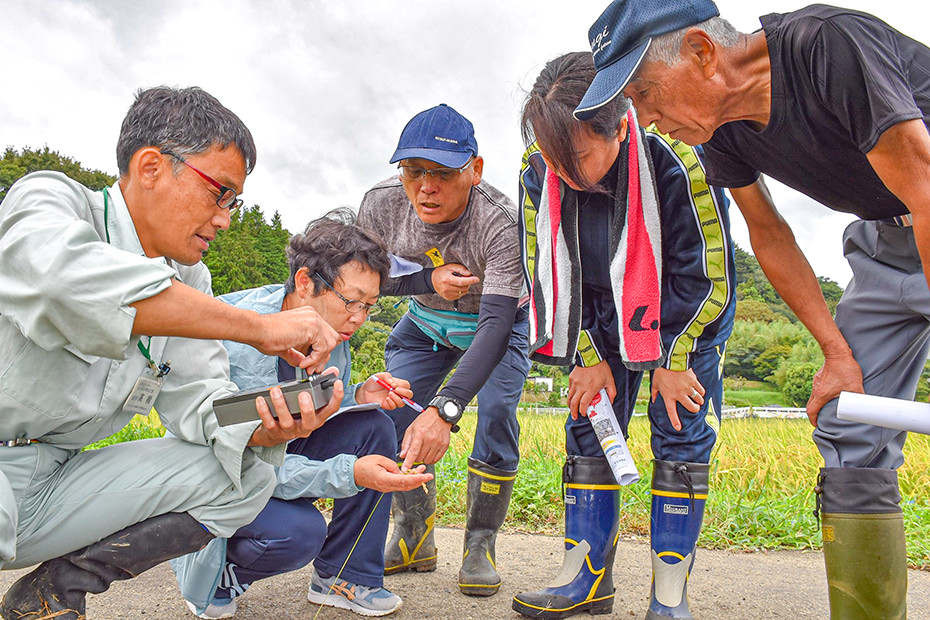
[592, 510]
[679, 492]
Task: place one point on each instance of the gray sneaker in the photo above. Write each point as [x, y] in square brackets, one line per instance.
[343, 594]
[215, 611]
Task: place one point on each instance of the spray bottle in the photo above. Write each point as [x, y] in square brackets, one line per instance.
[602, 418]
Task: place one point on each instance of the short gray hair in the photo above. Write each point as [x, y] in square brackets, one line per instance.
[666, 48]
[186, 121]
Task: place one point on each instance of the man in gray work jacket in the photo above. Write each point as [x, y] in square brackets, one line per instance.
[101, 294]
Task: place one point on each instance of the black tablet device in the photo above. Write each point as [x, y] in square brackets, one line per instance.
[240, 407]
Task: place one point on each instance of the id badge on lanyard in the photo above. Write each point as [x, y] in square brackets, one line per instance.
[142, 397]
[143, 394]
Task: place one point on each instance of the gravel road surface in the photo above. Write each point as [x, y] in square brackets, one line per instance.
[780, 585]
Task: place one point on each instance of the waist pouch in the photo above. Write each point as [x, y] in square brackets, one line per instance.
[454, 330]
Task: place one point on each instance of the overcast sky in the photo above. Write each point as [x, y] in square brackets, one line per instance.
[327, 86]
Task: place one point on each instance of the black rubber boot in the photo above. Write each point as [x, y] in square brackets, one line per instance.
[592, 516]
[412, 545]
[863, 543]
[57, 588]
[489, 491]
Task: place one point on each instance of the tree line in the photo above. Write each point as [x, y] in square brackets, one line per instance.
[15, 164]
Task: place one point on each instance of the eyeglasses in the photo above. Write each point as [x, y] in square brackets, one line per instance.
[228, 198]
[352, 305]
[415, 173]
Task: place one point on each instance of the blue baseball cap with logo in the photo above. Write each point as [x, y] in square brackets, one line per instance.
[439, 134]
[621, 36]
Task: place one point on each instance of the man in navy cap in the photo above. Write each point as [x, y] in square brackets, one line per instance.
[466, 309]
[832, 102]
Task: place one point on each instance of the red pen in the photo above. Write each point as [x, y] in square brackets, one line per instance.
[387, 386]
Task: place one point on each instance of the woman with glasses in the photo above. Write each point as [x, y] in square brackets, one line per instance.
[336, 269]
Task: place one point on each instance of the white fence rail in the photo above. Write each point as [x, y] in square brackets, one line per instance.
[728, 412]
[764, 412]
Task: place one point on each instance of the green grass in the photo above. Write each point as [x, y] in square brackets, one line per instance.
[755, 398]
[762, 478]
[538, 488]
[140, 427]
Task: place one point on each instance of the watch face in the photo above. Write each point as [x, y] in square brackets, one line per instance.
[450, 409]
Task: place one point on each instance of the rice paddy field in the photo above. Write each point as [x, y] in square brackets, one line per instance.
[761, 495]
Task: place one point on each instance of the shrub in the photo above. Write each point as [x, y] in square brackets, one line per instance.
[798, 382]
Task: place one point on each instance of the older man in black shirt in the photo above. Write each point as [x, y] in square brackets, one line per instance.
[832, 102]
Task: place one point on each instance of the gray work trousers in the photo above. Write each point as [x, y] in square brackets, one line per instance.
[54, 501]
[885, 317]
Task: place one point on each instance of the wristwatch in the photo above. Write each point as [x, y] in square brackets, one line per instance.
[449, 409]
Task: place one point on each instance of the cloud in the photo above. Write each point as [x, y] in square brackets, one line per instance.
[818, 230]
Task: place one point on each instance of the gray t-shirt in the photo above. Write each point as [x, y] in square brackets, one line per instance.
[484, 238]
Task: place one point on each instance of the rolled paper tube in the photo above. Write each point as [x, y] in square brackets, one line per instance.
[903, 415]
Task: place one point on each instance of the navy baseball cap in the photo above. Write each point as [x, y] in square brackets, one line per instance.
[621, 36]
[439, 134]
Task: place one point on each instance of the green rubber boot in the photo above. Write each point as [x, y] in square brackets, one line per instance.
[489, 491]
[863, 543]
[412, 545]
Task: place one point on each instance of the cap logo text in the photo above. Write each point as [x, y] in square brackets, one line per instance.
[449, 140]
[600, 41]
